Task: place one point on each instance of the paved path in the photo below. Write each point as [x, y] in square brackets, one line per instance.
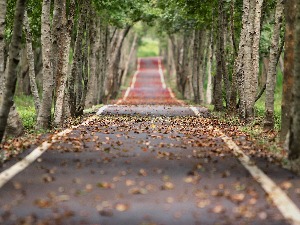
[149, 160]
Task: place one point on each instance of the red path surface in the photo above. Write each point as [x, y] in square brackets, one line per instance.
[148, 88]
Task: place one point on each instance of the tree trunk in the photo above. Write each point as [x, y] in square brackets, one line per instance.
[221, 46]
[232, 30]
[93, 82]
[23, 82]
[114, 65]
[218, 87]
[103, 60]
[185, 63]
[238, 72]
[209, 68]
[133, 47]
[247, 62]
[272, 71]
[255, 57]
[11, 75]
[3, 5]
[85, 75]
[30, 59]
[286, 105]
[202, 65]
[63, 63]
[44, 116]
[294, 140]
[195, 72]
[76, 67]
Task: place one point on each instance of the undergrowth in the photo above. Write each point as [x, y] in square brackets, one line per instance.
[26, 110]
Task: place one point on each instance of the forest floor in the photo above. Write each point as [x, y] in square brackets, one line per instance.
[148, 159]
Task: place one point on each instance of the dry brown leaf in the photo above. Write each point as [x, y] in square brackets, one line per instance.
[122, 207]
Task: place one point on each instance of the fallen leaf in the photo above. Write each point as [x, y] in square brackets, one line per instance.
[218, 209]
[167, 186]
[122, 207]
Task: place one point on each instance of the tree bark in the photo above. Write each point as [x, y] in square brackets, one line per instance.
[23, 81]
[238, 72]
[113, 83]
[133, 46]
[195, 72]
[185, 75]
[221, 46]
[11, 75]
[30, 59]
[286, 105]
[93, 82]
[232, 30]
[103, 60]
[294, 140]
[85, 74]
[218, 84]
[63, 63]
[3, 7]
[247, 62]
[76, 67]
[272, 71]
[209, 89]
[44, 116]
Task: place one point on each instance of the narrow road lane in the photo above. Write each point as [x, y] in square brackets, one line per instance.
[147, 160]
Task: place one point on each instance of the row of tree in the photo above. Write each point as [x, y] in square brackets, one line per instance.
[224, 45]
[78, 48]
[69, 55]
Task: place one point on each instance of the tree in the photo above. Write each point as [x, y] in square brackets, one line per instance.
[272, 71]
[286, 105]
[67, 22]
[247, 61]
[11, 74]
[294, 141]
[30, 59]
[44, 116]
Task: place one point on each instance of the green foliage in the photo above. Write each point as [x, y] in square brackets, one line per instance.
[148, 47]
[122, 13]
[34, 9]
[25, 107]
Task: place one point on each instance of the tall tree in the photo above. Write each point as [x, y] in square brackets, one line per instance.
[76, 67]
[294, 140]
[286, 105]
[209, 69]
[44, 116]
[11, 74]
[30, 59]
[63, 62]
[3, 7]
[247, 61]
[272, 71]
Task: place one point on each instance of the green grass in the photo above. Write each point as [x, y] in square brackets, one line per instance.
[149, 47]
[25, 107]
[260, 104]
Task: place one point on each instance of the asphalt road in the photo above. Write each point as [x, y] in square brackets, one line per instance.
[148, 160]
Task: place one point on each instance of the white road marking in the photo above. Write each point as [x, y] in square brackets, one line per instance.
[9, 173]
[134, 79]
[281, 200]
[101, 110]
[139, 64]
[132, 83]
[162, 79]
